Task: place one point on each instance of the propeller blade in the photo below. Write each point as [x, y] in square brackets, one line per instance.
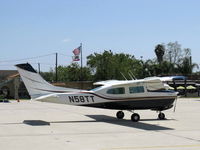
[175, 104]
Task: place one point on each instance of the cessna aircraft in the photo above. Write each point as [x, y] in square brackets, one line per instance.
[148, 93]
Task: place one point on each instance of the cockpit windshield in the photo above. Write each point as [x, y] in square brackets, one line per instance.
[95, 89]
[155, 86]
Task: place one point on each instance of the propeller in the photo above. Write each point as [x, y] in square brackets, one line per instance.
[175, 104]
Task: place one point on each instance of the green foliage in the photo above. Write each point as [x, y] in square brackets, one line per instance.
[101, 65]
[108, 66]
[73, 73]
[48, 76]
[68, 73]
[185, 66]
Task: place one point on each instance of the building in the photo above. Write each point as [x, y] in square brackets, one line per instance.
[12, 85]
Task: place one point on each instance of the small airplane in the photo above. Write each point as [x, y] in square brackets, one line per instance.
[148, 93]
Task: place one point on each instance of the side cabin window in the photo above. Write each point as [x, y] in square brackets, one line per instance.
[136, 89]
[120, 90]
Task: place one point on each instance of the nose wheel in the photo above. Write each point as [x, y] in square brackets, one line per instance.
[161, 116]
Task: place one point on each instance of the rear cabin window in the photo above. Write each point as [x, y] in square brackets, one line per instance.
[120, 90]
[136, 89]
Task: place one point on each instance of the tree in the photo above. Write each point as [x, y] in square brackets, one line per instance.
[73, 73]
[108, 65]
[69, 73]
[127, 64]
[101, 65]
[160, 51]
[48, 76]
[173, 52]
[187, 52]
[179, 58]
[185, 67]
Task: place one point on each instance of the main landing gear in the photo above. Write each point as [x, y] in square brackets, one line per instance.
[134, 117]
[120, 114]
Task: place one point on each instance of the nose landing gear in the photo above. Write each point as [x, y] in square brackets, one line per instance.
[161, 116]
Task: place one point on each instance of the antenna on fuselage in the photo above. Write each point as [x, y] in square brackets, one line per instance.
[134, 78]
[123, 75]
[131, 76]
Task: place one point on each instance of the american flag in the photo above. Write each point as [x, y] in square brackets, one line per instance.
[76, 52]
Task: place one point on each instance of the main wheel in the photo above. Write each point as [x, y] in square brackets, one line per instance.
[161, 116]
[135, 117]
[120, 114]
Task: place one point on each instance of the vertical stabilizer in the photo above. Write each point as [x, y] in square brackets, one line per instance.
[36, 85]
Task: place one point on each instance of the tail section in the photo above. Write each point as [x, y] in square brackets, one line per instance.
[36, 85]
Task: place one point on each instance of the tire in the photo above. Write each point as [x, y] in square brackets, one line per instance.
[120, 114]
[135, 117]
[161, 116]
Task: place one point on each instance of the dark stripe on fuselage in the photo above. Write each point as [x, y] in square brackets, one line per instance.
[161, 104]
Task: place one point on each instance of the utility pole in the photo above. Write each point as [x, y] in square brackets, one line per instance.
[56, 67]
[81, 62]
[190, 59]
[39, 68]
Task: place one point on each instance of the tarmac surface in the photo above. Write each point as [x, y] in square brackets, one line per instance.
[31, 125]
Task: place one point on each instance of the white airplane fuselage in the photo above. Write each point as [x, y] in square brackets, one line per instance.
[158, 100]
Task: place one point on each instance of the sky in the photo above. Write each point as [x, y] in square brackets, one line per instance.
[31, 28]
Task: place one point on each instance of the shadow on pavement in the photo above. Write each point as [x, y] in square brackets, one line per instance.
[36, 122]
[105, 119]
[126, 123]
